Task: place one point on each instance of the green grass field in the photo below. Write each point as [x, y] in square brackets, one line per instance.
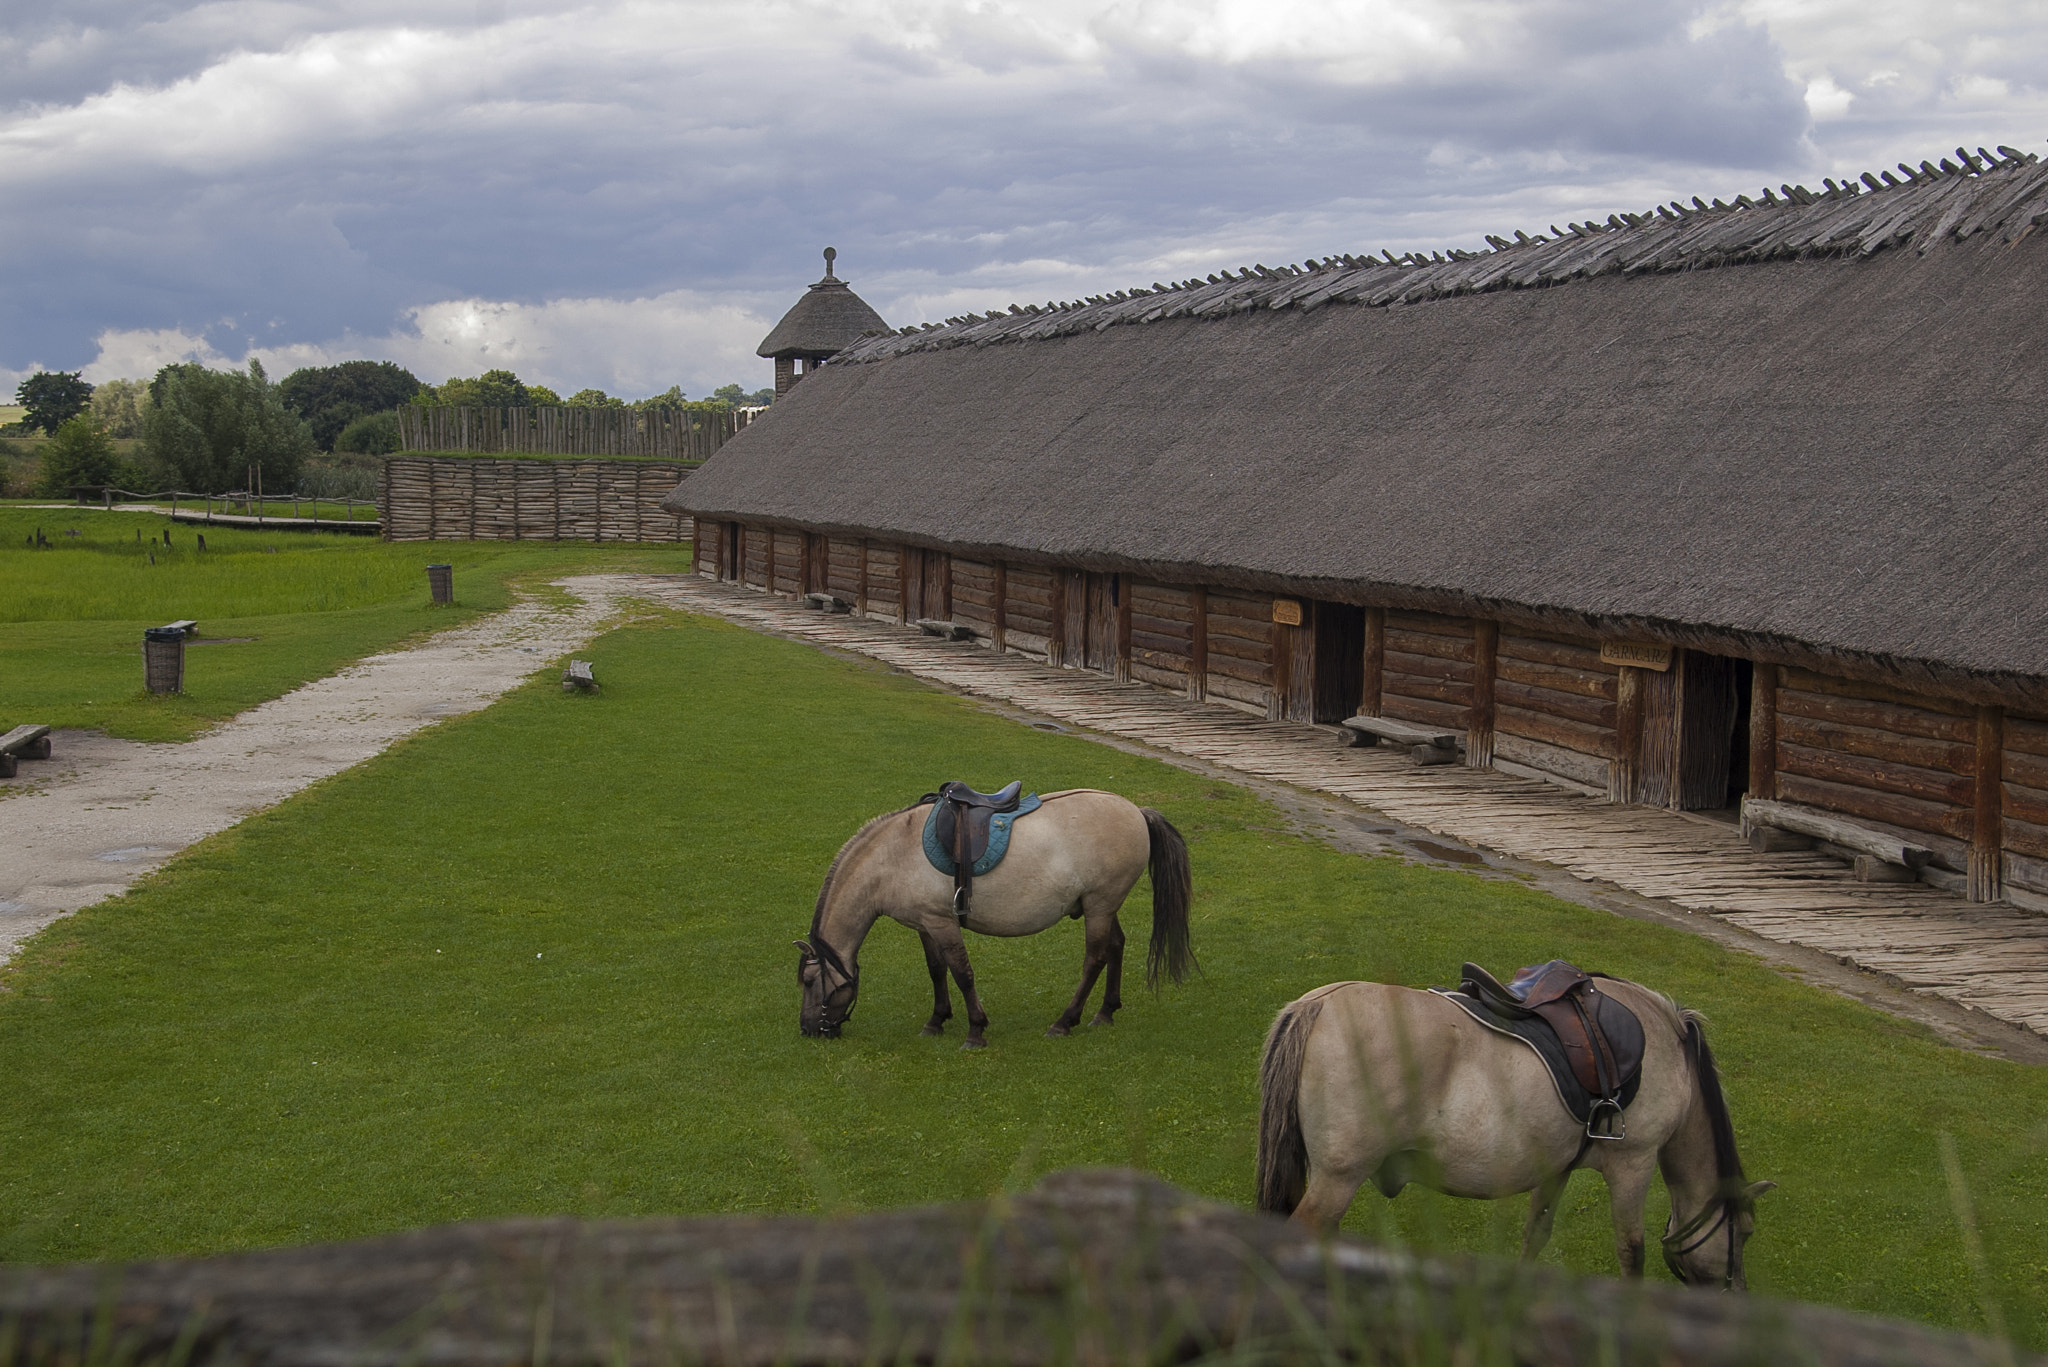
[538, 960]
[275, 608]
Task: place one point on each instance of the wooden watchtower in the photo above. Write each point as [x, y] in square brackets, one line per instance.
[829, 318]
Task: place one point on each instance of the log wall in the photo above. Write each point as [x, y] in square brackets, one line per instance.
[1240, 636]
[1426, 670]
[1162, 634]
[1968, 783]
[423, 498]
[2024, 798]
[1554, 707]
[1897, 759]
[651, 433]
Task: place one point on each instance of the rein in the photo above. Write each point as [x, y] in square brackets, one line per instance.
[1716, 1215]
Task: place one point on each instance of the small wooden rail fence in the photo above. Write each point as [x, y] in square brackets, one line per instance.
[456, 498]
[256, 507]
[653, 434]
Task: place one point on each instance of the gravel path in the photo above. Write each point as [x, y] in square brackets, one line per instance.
[101, 812]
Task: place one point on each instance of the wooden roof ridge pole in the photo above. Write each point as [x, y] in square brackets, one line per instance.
[1479, 721]
[1987, 836]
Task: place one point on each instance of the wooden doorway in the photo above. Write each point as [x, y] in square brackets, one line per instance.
[927, 585]
[1091, 613]
[1324, 661]
[1690, 715]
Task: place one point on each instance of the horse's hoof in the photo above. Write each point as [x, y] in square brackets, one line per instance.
[1055, 1030]
[1103, 1018]
[972, 1043]
[933, 1030]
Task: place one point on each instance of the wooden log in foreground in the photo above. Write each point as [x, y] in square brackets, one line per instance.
[1094, 1266]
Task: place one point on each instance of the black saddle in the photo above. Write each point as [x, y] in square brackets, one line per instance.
[961, 826]
[1593, 1044]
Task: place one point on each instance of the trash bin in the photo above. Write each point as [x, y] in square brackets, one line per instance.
[441, 579]
[163, 659]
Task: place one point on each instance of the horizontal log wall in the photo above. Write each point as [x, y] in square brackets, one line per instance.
[655, 433]
[1554, 707]
[885, 581]
[789, 560]
[2024, 795]
[1880, 755]
[1426, 676]
[1027, 608]
[1162, 634]
[754, 543]
[421, 498]
[974, 596]
[708, 546]
[842, 569]
[1240, 631]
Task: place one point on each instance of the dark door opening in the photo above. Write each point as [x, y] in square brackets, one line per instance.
[1339, 662]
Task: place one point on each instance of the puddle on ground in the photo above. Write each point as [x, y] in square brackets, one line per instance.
[1048, 726]
[129, 854]
[1436, 851]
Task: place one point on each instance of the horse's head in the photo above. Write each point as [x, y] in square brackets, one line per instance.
[829, 990]
[1707, 1249]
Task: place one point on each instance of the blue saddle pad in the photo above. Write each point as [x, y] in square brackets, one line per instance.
[998, 837]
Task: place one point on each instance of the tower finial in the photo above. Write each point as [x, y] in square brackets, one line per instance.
[831, 255]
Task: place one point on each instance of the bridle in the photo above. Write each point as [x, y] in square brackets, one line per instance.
[1714, 1217]
[827, 958]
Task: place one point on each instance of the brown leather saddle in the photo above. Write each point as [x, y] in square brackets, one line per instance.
[959, 829]
[1597, 1040]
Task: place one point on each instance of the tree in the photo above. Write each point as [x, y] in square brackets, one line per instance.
[80, 453]
[373, 434]
[735, 397]
[52, 397]
[492, 389]
[673, 399]
[331, 397]
[117, 406]
[209, 426]
[540, 396]
[594, 398]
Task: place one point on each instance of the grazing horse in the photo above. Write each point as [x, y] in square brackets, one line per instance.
[1372, 1081]
[1078, 855]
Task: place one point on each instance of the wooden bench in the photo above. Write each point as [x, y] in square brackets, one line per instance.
[23, 742]
[951, 631]
[579, 678]
[1426, 744]
[186, 625]
[828, 602]
[1878, 856]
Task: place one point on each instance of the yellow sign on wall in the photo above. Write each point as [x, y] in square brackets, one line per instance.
[1287, 611]
[1641, 654]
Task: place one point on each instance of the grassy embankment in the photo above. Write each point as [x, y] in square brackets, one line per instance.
[538, 960]
[275, 609]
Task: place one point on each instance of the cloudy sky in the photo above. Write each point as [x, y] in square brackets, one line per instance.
[628, 193]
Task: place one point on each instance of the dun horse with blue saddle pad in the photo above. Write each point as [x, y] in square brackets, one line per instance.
[997, 864]
[1491, 1090]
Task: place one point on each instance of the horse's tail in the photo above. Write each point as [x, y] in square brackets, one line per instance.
[1172, 891]
[1283, 1156]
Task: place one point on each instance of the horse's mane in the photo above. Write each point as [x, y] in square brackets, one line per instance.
[1727, 1162]
[832, 873]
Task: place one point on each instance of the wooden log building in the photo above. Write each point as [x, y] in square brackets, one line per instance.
[1712, 501]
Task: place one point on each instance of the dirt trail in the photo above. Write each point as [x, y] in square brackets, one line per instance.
[101, 813]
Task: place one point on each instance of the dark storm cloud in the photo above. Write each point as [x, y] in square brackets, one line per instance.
[266, 175]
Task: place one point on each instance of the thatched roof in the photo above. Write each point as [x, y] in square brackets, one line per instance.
[828, 318]
[1840, 438]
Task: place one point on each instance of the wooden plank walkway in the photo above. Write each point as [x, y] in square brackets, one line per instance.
[1990, 958]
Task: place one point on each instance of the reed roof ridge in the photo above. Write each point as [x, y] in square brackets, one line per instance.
[2002, 192]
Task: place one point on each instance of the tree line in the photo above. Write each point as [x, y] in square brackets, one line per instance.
[206, 430]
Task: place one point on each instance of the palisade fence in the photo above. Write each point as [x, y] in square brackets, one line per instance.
[648, 434]
[466, 498]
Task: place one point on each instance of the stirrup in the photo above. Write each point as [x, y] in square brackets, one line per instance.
[1607, 1108]
[960, 903]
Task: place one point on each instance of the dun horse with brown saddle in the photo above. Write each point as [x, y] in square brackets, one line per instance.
[1490, 1090]
[997, 864]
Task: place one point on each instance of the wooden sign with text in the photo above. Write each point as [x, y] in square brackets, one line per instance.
[1287, 611]
[1641, 654]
